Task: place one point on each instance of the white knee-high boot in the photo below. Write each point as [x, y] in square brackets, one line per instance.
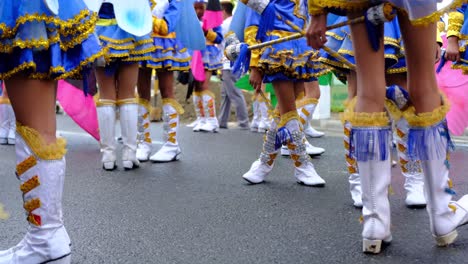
[429, 142]
[106, 117]
[170, 150]
[144, 136]
[128, 109]
[41, 170]
[199, 111]
[209, 105]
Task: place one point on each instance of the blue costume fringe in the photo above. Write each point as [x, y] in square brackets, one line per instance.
[429, 143]
[370, 143]
[242, 64]
[283, 136]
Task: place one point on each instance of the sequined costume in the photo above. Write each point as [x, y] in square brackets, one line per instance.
[169, 54]
[41, 45]
[458, 27]
[212, 55]
[122, 46]
[291, 60]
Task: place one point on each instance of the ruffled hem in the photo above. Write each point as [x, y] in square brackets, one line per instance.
[45, 46]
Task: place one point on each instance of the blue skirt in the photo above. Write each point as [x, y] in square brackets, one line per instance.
[291, 61]
[339, 41]
[121, 45]
[212, 58]
[169, 55]
[44, 45]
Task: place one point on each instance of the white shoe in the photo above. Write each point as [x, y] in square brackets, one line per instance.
[311, 132]
[143, 151]
[311, 150]
[355, 189]
[306, 174]
[106, 117]
[199, 125]
[193, 124]
[262, 127]
[46, 240]
[129, 126]
[257, 172]
[170, 151]
[263, 166]
[210, 125]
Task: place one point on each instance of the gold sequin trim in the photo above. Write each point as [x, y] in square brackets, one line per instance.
[25, 165]
[30, 184]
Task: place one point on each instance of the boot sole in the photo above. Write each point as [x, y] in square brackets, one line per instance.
[374, 246]
[443, 241]
[62, 260]
[127, 167]
[252, 183]
[416, 206]
[109, 168]
[320, 185]
[176, 158]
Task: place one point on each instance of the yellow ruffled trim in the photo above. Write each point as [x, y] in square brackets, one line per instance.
[363, 119]
[127, 101]
[393, 110]
[209, 93]
[105, 102]
[455, 23]
[3, 214]
[285, 118]
[211, 35]
[37, 144]
[317, 7]
[172, 102]
[145, 103]
[4, 100]
[429, 118]
[434, 17]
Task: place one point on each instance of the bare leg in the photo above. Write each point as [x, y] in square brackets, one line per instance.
[166, 84]
[34, 104]
[127, 80]
[286, 94]
[144, 83]
[312, 90]
[107, 85]
[352, 85]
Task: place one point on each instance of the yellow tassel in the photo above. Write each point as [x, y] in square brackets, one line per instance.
[37, 144]
[450, 183]
[452, 207]
[179, 109]
[3, 214]
[429, 118]
[361, 219]
[288, 117]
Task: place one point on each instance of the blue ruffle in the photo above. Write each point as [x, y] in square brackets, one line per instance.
[122, 45]
[212, 58]
[70, 44]
[169, 55]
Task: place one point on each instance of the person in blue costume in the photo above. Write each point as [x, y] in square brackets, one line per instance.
[169, 56]
[41, 45]
[339, 40]
[288, 66]
[117, 79]
[429, 139]
[457, 38]
[203, 98]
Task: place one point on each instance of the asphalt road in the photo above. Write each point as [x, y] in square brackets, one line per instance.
[199, 210]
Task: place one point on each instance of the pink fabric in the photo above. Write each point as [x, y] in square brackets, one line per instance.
[79, 107]
[455, 86]
[212, 19]
[198, 69]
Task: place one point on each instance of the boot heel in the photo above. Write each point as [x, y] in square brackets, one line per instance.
[371, 246]
[445, 240]
[63, 260]
[109, 166]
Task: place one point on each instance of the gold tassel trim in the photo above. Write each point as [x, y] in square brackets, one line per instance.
[4, 100]
[145, 103]
[288, 117]
[105, 102]
[429, 118]
[127, 101]
[362, 119]
[172, 102]
[306, 101]
[32, 205]
[393, 110]
[30, 184]
[209, 93]
[25, 165]
[37, 144]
